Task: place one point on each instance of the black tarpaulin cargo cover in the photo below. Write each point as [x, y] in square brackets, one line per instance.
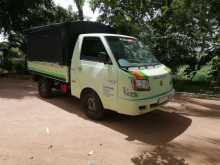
[55, 43]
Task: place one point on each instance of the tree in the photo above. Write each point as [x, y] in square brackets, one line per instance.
[79, 5]
[179, 31]
[16, 16]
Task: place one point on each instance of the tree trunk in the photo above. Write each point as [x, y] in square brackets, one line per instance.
[80, 10]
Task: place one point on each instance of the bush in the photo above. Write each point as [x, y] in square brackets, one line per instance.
[181, 73]
[11, 65]
[7, 65]
[19, 67]
[204, 74]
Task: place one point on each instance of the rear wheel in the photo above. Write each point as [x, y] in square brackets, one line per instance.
[45, 87]
[92, 105]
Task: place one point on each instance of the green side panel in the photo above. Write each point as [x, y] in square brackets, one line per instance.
[51, 69]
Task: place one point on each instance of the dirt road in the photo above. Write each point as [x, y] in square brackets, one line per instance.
[34, 131]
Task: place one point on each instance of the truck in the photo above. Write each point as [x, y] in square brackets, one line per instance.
[104, 69]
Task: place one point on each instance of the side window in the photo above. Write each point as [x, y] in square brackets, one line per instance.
[91, 48]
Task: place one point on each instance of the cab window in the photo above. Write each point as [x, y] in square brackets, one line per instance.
[92, 47]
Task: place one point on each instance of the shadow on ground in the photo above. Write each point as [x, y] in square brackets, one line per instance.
[167, 154]
[17, 88]
[156, 128]
[159, 156]
[197, 107]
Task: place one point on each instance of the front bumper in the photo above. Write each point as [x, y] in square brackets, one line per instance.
[138, 107]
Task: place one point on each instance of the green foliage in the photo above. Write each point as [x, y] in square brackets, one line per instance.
[23, 14]
[16, 16]
[7, 65]
[181, 73]
[14, 65]
[19, 67]
[215, 64]
[180, 32]
[204, 74]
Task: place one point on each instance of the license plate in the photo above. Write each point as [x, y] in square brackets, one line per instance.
[162, 99]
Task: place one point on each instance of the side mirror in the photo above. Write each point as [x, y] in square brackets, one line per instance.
[103, 57]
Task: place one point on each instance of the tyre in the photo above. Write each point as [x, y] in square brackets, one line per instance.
[45, 87]
[92, 106]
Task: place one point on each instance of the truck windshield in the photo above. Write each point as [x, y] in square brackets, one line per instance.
[130, 52]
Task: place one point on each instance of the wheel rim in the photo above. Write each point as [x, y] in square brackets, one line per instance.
[91, 104]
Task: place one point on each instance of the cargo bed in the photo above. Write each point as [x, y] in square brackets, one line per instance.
[50, 47]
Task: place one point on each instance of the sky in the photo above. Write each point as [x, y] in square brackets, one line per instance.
[1, 38]
[86, 9]
[65, 4]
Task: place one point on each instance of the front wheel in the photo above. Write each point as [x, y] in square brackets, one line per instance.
[92, 105]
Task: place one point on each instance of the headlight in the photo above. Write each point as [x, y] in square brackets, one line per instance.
[140, 85]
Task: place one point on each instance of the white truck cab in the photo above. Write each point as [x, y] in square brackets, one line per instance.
[109, 71]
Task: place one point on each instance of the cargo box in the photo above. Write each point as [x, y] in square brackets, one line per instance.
[55, 43]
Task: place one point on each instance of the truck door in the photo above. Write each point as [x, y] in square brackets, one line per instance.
[91, 71]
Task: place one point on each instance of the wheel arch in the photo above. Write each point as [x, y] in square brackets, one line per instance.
[97, 92]
[88, 89]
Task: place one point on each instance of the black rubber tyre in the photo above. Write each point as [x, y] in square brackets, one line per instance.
[45, 87]
[92, 106]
